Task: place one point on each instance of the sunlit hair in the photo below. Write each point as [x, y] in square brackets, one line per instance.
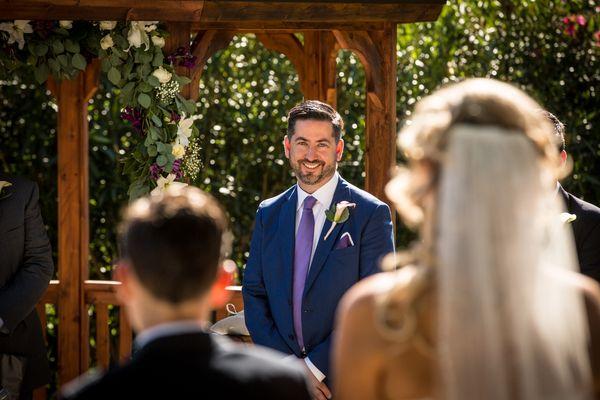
[318, 111]
[424, 139]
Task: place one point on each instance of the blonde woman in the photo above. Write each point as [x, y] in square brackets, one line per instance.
[488, 304]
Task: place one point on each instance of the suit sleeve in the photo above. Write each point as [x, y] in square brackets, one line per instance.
[590, 253]
[257, 311]
[19, 297]
[377, 241]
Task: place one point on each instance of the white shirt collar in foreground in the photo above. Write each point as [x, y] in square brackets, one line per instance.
[167, 329]
[324, 194]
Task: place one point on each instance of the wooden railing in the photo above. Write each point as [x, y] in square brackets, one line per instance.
[100, 301]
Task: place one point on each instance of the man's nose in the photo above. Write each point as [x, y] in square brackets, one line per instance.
[311, 153]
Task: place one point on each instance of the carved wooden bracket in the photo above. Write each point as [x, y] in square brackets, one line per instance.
[365, 47]
[205, 44]
[289, 45]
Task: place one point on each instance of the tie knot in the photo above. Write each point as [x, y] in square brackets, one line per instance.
[309, 203]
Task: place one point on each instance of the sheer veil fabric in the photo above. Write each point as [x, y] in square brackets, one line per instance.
[509, 325]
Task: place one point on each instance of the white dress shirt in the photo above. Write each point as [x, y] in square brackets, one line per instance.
[324, 196]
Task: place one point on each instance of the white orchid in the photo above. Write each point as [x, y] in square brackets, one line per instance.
[137, 35]
[184, 130]
[163, 184]
[108, 25]
[16, 31]
[338, 214]
[150, 26]
[178, 151]
[106, 42]
[158, 41]
[162, 75]
[65, 24]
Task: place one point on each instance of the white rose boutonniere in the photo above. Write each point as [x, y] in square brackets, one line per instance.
[567, 218]
[337, 214]
[4, 184]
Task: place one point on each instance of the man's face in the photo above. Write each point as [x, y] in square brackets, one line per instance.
[313, 153]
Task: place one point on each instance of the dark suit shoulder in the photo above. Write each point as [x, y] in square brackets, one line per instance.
[21, 186]
[581, 207]
[364, 196]
[276, 201]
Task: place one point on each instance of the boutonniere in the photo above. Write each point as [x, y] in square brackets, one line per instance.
[567, 218]
[337, 214]
[3, 194]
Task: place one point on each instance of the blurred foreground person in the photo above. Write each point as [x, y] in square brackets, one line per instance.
[488, 305]
[171, 276]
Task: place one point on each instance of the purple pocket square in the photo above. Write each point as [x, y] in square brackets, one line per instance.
[344, 242]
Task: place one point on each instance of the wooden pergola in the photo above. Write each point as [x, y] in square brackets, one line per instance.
[366, 27]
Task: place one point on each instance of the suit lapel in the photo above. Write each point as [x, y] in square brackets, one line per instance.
[342, 192]
[286, 235]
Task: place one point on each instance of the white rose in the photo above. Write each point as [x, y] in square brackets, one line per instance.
[178, 151]
[108, 25]
[137, 35]
[158, 41]
[162, 75]
[106, 42]
[66, 24]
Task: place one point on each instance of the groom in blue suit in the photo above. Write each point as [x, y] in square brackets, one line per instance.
[302, 259]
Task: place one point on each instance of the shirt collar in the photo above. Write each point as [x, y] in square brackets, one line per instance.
[324, 194]
[167, 329]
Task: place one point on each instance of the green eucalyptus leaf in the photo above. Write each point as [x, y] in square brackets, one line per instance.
[162, 160]
[63, 60]
[105, 65]
[145, 87]
[152, 151]
[58, 47]
[79, 61]
[127, 89]
[41, 49]
[156, 120]
[144, 100]
[161, 147]
[41, 73]
[183, 80]
[146, 57]
[72, 46]
[158, 59]
[153, 81]
[54, 66]
[114, 76]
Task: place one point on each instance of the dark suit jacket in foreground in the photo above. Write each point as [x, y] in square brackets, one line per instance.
[25, 270]
[267, 287]
[586, 230]
[196, 366]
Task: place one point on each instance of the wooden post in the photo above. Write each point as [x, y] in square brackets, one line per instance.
[73, 217]
[381, 115]
[180, 34]
[319, 47]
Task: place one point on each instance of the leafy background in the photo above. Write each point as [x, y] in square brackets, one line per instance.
[246, 91]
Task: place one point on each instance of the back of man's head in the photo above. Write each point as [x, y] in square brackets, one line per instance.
[174, 243]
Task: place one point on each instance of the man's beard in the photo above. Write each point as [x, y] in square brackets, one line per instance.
[312, 178]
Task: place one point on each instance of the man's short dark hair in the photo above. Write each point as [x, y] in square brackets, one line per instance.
[315, 110]
[559, 128]
[174, 242]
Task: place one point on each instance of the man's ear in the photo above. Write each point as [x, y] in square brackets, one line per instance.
[339, 149]
[122, 274]
[219, 295]
[287, 146]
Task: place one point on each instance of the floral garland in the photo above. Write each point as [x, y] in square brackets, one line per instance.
[164, 144]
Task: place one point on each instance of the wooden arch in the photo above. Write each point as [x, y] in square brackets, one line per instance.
[367, 27]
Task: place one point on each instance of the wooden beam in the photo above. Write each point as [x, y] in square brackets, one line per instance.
[73, 216]
[290, 46]
[319, 47]
[227, 14]
[205, 45]
[180, 35]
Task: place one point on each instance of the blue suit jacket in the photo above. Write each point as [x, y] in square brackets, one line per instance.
[267, 286]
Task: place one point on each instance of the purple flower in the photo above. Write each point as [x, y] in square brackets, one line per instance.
[175, 117]
[177, 169]
[182, 57]
[44, 28]
[155, 171]
[133, 115]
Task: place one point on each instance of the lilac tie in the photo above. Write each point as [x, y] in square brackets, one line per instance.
[302, 251]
